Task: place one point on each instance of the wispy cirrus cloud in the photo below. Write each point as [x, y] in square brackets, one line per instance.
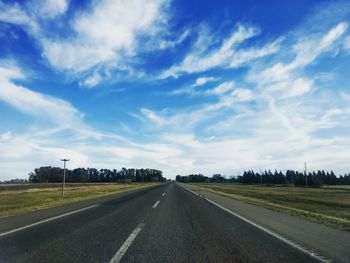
[34, 103]
[49, 9]
[62, 115]
[287, 77]
[168, 44]
[196, 89]
[347, 43]
[14, 14]
[203, 80]
[279, 117]
[221, 89]
[227, 55]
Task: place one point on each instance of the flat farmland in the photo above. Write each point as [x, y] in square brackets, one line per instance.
[18, 199]
[328, 205]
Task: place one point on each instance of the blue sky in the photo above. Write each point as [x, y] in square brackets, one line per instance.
[182, 86]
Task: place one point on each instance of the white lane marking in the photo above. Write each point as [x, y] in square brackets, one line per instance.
[46, 220]
[155, 205]
[163, 194]
[122, 250]
[279, 237]
[189, 190]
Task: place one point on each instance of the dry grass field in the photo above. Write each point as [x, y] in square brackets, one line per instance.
[329, 205]
[26, 198]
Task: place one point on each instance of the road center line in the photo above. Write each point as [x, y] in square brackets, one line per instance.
[155, 205]
[163, 194]
[46, 220]
[122, 250]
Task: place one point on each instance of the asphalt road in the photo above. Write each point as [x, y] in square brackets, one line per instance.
[330, 242]
[159, 224]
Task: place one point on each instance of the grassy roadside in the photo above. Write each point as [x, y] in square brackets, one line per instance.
[28, 199]
[330, 206]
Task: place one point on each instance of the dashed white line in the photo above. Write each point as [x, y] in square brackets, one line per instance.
[155, 205]
[122, 250]
[163, 194]
[45, 220]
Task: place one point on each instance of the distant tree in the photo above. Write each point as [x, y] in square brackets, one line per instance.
[50, 174]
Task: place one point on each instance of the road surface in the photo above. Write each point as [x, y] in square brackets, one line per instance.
[166, 223]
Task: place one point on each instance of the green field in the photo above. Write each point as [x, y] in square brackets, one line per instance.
[26, 198]
[329, 205]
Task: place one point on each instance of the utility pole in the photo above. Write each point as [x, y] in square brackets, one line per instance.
[261, 179]
[305, 175]
[64, 174]
[125, 179]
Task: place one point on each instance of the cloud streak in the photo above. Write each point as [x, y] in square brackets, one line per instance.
[227, 55]
[34, 103]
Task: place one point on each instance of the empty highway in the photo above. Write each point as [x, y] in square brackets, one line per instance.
[166, 223]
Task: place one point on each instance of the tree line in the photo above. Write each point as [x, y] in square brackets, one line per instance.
[50, 174]
[291, 177]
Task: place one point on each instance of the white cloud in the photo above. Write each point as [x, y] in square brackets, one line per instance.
[91, 81]
[34, 103]
[300, 87]
[13, 14]
[281, 123]
[227, 55]
[60, 113]
[245, 56]
[108, 33]
[20, 154]
[334, 34]
[165, 44]
[221, 89]
[243, 94]
[226, 91]
[104, 38]
[194, 90]
[347, 43]
[285, 79]
[49, 9]
[152, 116]
[202, 81]
[59, 130]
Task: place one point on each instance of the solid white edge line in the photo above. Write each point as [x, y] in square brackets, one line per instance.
[155, 205]
[288, 242]
[122, 250]
[45, 220]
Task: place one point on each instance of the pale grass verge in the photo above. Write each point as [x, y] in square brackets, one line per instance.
[318, 217]
[28, 200]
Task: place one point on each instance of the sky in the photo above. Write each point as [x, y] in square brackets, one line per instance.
[181, 86]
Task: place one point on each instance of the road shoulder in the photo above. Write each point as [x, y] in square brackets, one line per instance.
[324, 240]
